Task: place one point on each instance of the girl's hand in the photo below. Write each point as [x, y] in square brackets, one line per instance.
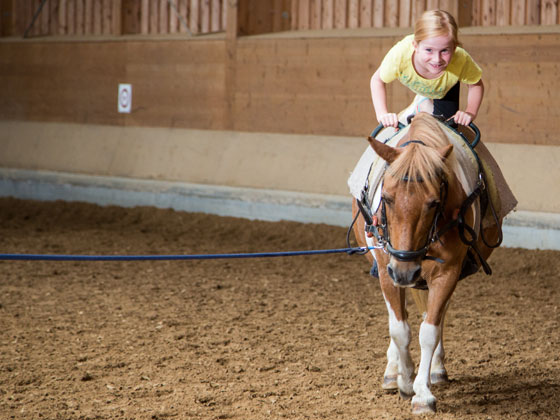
[463, 118]
[389, 120]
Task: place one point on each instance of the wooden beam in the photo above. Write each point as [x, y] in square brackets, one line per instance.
[327, 19]
[465, 13]
[503, 12]
[405, 13]
[391, 14]
[366, 14]
[378, 13]
[549, 12]
[232, 32]
[340, 14]
[316, 14]
[518, 12]
[488, 12]
[533, 12]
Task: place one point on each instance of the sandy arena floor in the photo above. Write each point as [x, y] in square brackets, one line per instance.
[295, 338]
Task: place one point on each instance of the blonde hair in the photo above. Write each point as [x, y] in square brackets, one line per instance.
[435, 23]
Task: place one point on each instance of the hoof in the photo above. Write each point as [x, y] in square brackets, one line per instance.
[438, 378]
[390, 383]
[420, 407]
[404, 395]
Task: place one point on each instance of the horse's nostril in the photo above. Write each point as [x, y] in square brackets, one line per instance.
[391, 272]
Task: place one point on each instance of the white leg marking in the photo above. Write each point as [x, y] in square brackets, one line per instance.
[429, 338]
[438, 373]
[400, 338]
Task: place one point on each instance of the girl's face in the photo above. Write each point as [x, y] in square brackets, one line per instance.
[432, 55]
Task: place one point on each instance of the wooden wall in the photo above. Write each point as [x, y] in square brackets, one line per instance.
[327, 14]
[112, 17]
[272, 84]
[118, 17]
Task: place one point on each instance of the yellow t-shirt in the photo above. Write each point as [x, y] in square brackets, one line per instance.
[397, 64]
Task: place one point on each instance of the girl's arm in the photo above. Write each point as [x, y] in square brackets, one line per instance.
[474, 99]
[379, 98]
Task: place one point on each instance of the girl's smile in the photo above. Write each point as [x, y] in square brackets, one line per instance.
[432, 56]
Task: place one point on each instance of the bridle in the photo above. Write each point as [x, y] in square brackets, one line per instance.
[384, 238]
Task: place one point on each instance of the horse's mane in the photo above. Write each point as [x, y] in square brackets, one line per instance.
[418, 162]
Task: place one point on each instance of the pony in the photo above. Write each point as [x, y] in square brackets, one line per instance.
[418, 232]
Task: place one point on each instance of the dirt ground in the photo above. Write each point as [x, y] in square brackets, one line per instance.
[296, 338]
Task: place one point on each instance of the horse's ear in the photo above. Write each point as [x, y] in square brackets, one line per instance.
[446, 151]
[387, 153]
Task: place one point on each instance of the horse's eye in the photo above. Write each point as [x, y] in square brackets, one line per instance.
[433, 204]
[388, 200]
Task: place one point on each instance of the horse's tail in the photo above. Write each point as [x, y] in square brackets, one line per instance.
[420, 299]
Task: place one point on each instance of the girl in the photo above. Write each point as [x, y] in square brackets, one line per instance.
[432, 64]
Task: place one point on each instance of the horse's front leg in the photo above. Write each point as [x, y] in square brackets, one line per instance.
[400, 368]
[430, 335]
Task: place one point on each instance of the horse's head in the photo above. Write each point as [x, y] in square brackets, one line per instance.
[413, 198]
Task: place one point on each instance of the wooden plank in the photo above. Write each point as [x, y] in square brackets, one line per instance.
[340, 14]
[366, 13]
[162, 16]
[465, 13]
[53, 17]
[418, 7]
[62, 22]
[477, 13]
[304, 18]
[88, 16]
[215, 16]
[106, 17]
[183, 8]
[173, 18]
[130, 17]
[144, 16]
[549, 12]
[488, 12]
[205, 16]
[224, 15]
[80, 17]
[277, 15]
[154, 18]
[518, 12]
[405, 13]
[71, 13]
[97, 17]
[533, 12]
[327, 18]
[194, 18]
[503, 12]
[115, 7]
[353, 13]
[391, 14]
[315, 10]
[45, 17]
[432, 4]
[451, 6]
[378, 13]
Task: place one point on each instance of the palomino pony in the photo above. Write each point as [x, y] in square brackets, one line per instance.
[418, 231]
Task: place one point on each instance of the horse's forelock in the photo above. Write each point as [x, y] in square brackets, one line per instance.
[419, 162]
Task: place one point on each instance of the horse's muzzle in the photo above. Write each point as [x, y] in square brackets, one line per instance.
[404, 275]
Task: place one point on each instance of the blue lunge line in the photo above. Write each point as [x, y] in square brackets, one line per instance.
[49, 257]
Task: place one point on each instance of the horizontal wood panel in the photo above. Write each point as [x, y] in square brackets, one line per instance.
[173, 83]
[296, 85]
